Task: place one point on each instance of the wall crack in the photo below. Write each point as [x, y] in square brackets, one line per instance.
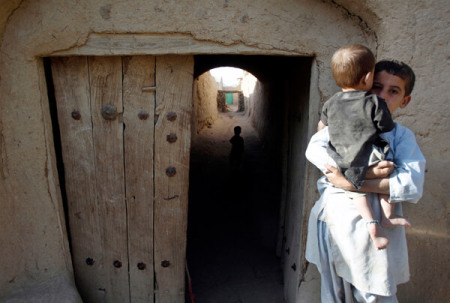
[13, 12]
[362, 23]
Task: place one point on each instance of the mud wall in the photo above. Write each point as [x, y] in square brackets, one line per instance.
[249, 89]
[204, 102]
[35, 245]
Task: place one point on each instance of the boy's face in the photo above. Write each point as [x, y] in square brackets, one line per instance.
[392, 89]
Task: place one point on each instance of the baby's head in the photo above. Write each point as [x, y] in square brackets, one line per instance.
[237, 130]
[352, 64]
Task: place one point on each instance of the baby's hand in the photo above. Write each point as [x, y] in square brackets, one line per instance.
[380, 170]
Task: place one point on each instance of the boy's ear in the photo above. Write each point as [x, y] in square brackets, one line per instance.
[405, 101]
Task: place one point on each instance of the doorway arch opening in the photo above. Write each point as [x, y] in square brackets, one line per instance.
[230, 94]
[237, 217]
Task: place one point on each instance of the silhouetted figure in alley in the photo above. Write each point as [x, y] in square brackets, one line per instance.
[237, 149]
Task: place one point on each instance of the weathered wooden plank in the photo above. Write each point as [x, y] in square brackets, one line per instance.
[174, 78]
[71, 81]
[138, 117]
[106, 90]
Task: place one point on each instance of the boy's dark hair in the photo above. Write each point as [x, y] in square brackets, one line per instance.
[237, 130]
[399, 69]
[350, 64]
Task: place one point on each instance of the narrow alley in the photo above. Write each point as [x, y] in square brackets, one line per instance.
[233, 219]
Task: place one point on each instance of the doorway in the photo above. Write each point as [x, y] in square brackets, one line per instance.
[125, 137]
[238, 243]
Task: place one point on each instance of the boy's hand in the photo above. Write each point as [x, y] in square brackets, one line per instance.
[337, 179]
[380, 170]
[378, 185]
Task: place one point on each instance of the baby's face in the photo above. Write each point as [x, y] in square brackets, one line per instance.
[392, 89]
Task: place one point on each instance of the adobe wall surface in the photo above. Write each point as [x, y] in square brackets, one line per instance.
[33, 237]
[205, 102]
[251, 87]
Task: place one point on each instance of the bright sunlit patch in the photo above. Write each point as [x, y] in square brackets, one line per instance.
[428, 233]
[229, 75]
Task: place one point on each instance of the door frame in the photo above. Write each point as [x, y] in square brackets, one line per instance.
[148, 44]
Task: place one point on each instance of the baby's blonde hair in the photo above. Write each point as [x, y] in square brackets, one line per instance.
[350, 64]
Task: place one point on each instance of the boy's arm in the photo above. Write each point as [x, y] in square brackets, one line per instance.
[406, 182]
[316, 152]
[381, 169]
[321, 126]
[379, 185]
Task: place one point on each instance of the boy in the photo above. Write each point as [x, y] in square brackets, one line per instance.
[336, 242]
[355, 120]
[237, 149]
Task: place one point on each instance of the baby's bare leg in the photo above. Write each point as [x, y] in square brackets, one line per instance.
[375, 230]
[388, 216]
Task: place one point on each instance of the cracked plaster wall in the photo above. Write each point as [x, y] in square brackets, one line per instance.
[31, 220]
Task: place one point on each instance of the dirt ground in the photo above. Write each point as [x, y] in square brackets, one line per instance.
[233, 219]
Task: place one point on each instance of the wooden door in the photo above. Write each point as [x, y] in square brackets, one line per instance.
[125, 134]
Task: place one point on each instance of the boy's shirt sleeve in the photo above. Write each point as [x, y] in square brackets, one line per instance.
[406, 182]
[316, 152]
